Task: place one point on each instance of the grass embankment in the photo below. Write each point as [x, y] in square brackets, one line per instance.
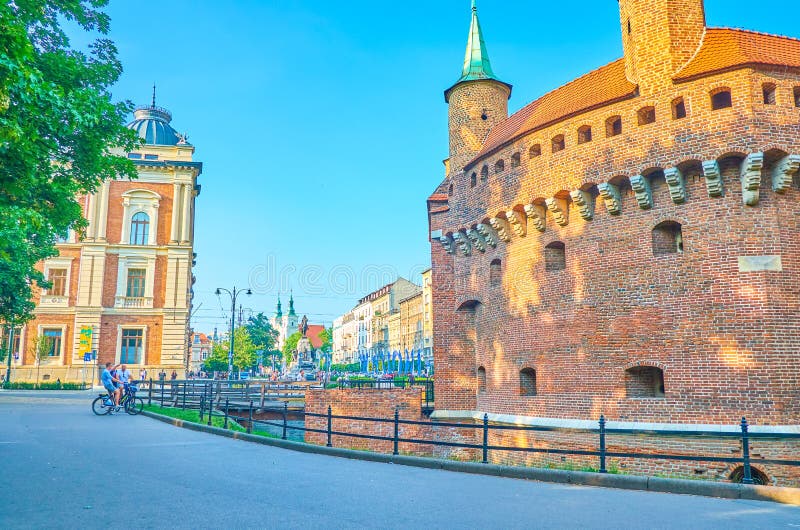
[45, 386]
[193, 416]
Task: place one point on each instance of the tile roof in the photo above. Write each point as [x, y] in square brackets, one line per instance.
[313, 335]
[725, 48]
[599, 87]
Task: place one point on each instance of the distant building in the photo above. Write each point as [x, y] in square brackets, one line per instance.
[285, 325]
[199, 350]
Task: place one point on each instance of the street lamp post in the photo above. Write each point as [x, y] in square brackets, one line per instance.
[233, 294]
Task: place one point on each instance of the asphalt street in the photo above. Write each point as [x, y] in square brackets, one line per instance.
[63, 467]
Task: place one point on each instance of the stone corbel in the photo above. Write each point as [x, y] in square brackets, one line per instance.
[477, 239]
[447, 243]
[517, 222]
[585, 203]
[644, 194]
[751, 177]
[611, 197]
[501, 227]
[559, 210]
[463, 243]
[783, 172]
[488, 234]
[713, 178]
[536, 213]
[677, 185]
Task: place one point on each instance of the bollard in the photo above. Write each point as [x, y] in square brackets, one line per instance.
[396, 429]
[250, 422]
[602, 444]
[748, 476]
[329, 427]
[150, 392]
[485, 438]
[285, 412]
[225, 426]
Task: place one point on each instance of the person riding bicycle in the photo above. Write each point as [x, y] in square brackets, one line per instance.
[124, 375]
[111, 384]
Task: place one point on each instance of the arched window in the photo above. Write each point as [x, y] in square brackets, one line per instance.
[558, 143]
[768, 93]
[527, 382]
[667, 238]
[473, 180]
[797, 96]
[481, 380]
[495, 273]
[555, 258]
[450, 190]
[499, 166]
[613, 126]
[646, 115]
[721, 99]
[678, 109]
[644, 382]
[140, 228]
[758, 476]
[484, 173]
[585, 134]
[515, 160]
[536, 150]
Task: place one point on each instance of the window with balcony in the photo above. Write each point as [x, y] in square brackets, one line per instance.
[140, 228]
[136, 283]
[131, 346]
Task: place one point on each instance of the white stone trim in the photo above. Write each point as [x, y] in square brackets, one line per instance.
[136, 260]
[135, 201]
[52, 360]
[118, 348]
[49, 300]
[567, 423]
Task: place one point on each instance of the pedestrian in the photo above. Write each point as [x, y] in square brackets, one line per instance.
[142, 374]
[174, 375]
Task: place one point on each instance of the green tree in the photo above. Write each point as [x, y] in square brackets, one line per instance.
[40, 351]
[327, 340]
[261, 332]
[61, 134]
[290, 346]
[244, 353]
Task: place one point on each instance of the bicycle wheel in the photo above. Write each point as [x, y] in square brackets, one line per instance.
[134, 406]
[99, 408]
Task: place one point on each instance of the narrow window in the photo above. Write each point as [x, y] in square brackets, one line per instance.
[555, 258]
[613, 126]
[536, 150]
[646, 115]
[515, 160]
[140, 228]
[644, 382]
[135, 156]
[499, 166]
[667, 238]
[584, 134]
[558, 143]
[136, 279]
[484, 173]
[768, 93]
[527, 382]
[58, 278]
[797, 96]
[678, 109]
[495, 273]
[131, 348]
[481, 380]
[151, 157]
[473, 180]
[53, 337]
[721, 99]
[450, 190]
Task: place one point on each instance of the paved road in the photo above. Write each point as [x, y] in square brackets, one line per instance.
[58, 461]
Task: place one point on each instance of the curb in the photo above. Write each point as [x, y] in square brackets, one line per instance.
[702, 488]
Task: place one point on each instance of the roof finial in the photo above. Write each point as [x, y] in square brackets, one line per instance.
[154, 94]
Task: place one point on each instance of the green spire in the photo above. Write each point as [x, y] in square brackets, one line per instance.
[279, 312]
[476, 61]
[291, 306]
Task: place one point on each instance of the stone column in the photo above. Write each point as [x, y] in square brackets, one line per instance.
[90, 217]
[102, 220]
[187, 213]
[174, 233]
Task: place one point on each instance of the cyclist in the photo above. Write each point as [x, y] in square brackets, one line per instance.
[124, 376]
[110, 384]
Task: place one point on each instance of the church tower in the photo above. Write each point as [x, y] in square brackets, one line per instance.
[658, 38]
[477, 101]
[292, 317]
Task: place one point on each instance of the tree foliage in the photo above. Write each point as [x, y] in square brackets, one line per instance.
[326, 335]
[290, 347]
[244, 353]
[261, 332]
[61, 134]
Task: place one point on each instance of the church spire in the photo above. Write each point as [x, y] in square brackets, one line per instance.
[279, 312]
[476, 61]
[291, 306]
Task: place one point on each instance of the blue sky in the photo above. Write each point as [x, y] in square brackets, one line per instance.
[322, 125]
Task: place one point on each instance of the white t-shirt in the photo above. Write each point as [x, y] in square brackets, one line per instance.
[124, 375]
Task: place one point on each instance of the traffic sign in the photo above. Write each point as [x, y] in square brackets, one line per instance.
[87, 357]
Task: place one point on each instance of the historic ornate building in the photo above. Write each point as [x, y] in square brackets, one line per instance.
[285, 325]
[629, 243]
[124, 290]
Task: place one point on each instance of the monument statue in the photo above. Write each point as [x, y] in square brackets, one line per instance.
[303, 327]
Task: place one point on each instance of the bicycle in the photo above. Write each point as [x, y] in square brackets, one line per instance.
[133, 405]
